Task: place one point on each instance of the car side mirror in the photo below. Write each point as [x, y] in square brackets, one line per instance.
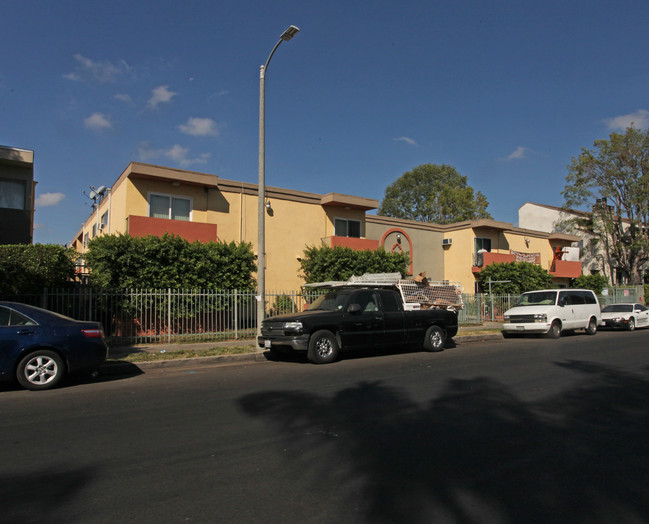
[354, 308]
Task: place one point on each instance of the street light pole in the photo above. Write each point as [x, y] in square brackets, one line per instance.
[261, 204]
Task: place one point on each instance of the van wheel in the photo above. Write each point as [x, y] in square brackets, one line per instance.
[591, 329]
[323, 347]
[555, 330]
[435, 339]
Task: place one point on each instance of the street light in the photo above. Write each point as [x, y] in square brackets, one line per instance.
[261, 217]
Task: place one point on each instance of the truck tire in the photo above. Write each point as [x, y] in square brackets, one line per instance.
[323, 347]
[435, 339]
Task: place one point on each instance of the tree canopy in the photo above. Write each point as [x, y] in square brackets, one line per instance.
[433, 193]
[613, 181]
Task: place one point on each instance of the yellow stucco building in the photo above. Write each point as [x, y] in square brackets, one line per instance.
[148, 199]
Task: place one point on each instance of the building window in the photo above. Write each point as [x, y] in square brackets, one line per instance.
[347, 228]
[482, 244]
[104, 221]
[12, 194]
[166, 206]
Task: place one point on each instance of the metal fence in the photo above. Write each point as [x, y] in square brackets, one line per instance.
[171, 315]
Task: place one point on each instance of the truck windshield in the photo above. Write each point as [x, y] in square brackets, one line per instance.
[332, 301]
[540, 298]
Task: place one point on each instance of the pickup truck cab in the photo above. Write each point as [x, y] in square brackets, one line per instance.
[352, 317]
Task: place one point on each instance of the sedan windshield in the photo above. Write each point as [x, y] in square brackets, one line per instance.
[541, 298]
[618, 308]
[332, 301]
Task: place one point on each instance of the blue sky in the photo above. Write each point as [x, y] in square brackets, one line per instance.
[506, 91]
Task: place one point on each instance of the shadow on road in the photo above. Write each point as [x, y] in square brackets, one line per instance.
[477, 452]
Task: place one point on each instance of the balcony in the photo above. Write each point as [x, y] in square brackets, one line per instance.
[482, 260]
[357, 244]
[139, 226]
[565, 269]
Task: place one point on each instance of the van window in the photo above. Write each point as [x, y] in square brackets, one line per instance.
[589, 297]
[576, 298]
[537, 298]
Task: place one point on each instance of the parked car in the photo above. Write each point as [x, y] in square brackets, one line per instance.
[552, 311]
[38, 348]
[625, 316]
[372, 310]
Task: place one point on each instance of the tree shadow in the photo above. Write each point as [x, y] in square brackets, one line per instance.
[44, 493]
[476, 452]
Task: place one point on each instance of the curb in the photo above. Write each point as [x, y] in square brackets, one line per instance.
[130, 368]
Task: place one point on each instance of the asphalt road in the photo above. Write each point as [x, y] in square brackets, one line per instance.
[511, 431]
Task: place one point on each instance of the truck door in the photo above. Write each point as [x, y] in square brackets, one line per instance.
[393, 318]
[364, 327]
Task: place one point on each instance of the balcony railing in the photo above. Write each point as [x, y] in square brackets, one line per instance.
[357, 244]
[139, 226]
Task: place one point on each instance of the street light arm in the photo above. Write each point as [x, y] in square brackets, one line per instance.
[286, 36]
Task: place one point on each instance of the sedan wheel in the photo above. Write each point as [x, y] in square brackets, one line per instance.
[40, 370]
[631, 325]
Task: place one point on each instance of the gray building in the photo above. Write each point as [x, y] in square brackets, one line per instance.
[16, 195]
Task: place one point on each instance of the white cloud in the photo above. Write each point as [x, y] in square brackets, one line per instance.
[176, 153]
[160, 95]
[97, 122]
[123, 98]
[407, 140]
[200, 127]
[103, 72]
[518, 154]
[49, 199]
[639, 120]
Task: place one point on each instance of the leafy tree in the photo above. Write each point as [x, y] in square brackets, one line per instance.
[523, 277]
[28, 268]
[339, 263]
[595, 282]
[433, 193]
[613, 181]
[122, 261]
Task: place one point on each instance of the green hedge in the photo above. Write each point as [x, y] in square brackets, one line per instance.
[339, 263]
[123, 262]
[26, 268]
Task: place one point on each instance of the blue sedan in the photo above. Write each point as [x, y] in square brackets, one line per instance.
[38, 348]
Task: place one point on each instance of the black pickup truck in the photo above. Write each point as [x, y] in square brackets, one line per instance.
[347, 318]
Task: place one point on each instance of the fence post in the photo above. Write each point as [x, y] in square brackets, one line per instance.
[236, 314]
[44, 298]
[169, 315]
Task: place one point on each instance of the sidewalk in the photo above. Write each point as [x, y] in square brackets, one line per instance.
[477, 333]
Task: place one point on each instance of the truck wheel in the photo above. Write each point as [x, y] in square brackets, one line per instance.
[323, 347]
[555, 330]
[435, 339]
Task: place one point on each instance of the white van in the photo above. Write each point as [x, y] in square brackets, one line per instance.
[551, 311]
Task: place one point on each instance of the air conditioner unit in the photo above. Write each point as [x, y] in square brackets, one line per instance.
[101, 227]
[447, 241]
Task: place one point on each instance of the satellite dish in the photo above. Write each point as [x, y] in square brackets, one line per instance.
[101, 190]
